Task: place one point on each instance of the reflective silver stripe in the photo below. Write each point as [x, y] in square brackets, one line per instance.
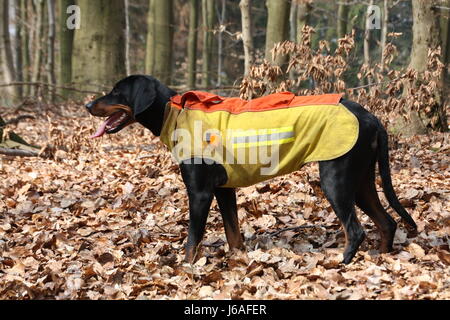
[264, 137]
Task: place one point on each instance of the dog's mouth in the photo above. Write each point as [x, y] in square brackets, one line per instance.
[115, 123]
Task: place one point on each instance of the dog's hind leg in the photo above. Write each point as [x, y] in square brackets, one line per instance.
[339, 188]
[367, 199]
[226, 198]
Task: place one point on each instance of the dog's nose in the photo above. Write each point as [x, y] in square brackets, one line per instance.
[90, 105]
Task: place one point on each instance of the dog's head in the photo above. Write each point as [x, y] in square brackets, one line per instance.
[128, 102]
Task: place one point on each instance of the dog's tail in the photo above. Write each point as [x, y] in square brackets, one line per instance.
[385, 173]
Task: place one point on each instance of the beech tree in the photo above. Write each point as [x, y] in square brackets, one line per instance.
[277, 27]
[66, 36]
[247, 33]
[99, 48]
[342, 18]
[426, 36]
[159, 40]
[192, 43]
[208, 18]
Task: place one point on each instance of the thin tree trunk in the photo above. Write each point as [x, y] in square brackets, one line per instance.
[192, 43]
[66, 36]
[127, 37]
[445, 36]
[4, 73]
[164, 35]
[247, 34]
[18, 42]
[37, 59]
[342, 19]
[208, 15]
[24, 7]
[293, 22]
[44, 76]
[51, 46]
[367, 41]
[151, 39]
[303, 17]
[384, 30]
[220, 44]
[293, 31]
[31, 15]
[8, 52]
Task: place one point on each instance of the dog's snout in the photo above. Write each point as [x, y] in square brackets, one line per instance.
[90, 105]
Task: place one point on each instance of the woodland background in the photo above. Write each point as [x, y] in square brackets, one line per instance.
[83, 219]
[213, 44]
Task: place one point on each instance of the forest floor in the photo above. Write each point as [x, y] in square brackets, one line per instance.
[107, 219]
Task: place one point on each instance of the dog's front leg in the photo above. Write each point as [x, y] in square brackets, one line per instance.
[201, 180]
[199, 204]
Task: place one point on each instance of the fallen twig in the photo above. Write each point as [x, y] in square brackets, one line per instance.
[18, 153]
[309, 226]
[20, 118]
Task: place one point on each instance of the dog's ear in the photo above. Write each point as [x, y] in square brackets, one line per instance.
[144, 95]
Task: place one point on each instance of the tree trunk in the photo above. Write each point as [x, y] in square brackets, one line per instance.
[208, 14]
[426, 35]
[384, 30]
[19, 42]
[303, 17]
[342, 19]
[127, 37]
[39, 32]
[151, 39]
[8, 92]
[367, 40]
[445, 36]
[192, 44]
[277, 28]
[159, 40]
[27, 32]
[220, 44]
[25, 7]
[51, 46]
[293, 23]
[99, 48]
[426, 32]
[163, 46]
[66, 36]
[247, 34]
[7, 47]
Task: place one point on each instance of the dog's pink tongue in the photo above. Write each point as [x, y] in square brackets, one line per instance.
[101, 130]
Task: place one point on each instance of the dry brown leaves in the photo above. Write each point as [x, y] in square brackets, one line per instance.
[384, 90]
[107, 219]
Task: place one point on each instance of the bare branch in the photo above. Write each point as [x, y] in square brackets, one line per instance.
[18, 153]
[43, 84]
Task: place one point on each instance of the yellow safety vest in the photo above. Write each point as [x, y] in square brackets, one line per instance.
[259, 139]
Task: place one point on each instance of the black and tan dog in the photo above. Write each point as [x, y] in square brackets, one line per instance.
[346, 181]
